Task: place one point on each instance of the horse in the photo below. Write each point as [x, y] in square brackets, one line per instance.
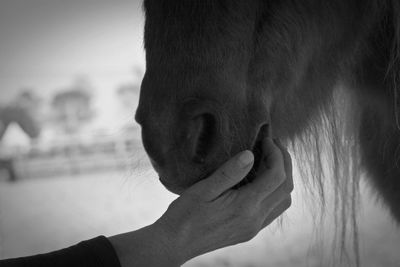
[22, 117]
[322, 76]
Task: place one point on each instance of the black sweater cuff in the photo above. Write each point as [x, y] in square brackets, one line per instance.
[96, 252]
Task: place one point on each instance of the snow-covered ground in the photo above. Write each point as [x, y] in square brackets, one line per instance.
[41, 215]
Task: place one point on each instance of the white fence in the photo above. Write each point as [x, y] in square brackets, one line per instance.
[80, 157]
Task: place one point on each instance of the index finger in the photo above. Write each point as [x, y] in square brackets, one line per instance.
[225, 177]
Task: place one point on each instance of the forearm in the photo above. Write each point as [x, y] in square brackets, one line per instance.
[150, 246]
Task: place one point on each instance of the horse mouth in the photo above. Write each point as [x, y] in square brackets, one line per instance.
[258, 154]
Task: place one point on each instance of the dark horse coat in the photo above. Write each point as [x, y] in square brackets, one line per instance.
[322, 75]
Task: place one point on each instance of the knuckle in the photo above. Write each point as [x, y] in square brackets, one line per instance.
[249, 233]
[288, 203]
[287, 183]
[253, 232]
[244, 238]
[280, 177]
[289, 186]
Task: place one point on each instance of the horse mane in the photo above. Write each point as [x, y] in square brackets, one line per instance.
[329, 148]
[393, 72]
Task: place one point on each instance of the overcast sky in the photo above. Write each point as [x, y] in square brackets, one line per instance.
[45, 43]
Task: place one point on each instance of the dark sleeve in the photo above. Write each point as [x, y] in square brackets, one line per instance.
[96, 252]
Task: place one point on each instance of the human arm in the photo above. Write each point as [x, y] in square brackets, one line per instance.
[211, 215]
[96, 252]
[208, 216]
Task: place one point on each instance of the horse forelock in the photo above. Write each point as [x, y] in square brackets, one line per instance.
[202, 32]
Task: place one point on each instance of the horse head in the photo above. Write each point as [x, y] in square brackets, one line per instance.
[222, 75]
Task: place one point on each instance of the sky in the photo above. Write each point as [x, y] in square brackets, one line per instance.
[46, 44]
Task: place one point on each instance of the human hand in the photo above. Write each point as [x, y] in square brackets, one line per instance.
[211, 215]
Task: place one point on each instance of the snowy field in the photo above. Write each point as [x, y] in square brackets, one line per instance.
[41, 215]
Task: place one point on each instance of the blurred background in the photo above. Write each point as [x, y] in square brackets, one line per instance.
[72, 165]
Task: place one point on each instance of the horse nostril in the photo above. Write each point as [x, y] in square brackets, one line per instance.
[202, 137]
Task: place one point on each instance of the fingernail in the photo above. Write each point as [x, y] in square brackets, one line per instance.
[245, 158]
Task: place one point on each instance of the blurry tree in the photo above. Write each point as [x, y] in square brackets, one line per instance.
[26, 110]
[138, 73]
[28, 99]
[23, 111]
[128, 94]
[72, 107]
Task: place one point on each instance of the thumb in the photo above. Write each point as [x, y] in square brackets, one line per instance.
[225, 177]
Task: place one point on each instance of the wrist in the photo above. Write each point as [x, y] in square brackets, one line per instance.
[172, 241]
[167, 243]
[150, 246]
